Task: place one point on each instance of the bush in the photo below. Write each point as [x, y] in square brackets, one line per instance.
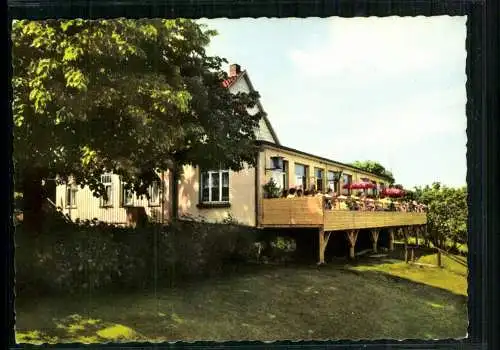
[279, 249]
[271, 189]
[73, 258]
[194, 249]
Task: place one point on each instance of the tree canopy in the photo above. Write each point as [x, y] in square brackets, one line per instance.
[447, 213]
[375, 168]
[126, 96]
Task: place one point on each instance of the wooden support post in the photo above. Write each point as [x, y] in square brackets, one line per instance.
[405, 235]
[323, 241]
[391, 239]
[352, 236]
[412, 254]
[374, 236]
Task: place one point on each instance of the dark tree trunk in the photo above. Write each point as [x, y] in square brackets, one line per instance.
[33, 200]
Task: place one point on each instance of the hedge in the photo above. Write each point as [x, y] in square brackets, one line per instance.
[75, 258]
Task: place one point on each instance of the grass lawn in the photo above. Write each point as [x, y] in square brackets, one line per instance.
[462, 248]
[366, 300]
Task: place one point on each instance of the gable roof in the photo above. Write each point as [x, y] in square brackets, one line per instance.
[244, 75]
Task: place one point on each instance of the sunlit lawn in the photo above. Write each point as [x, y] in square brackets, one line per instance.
[365, 300]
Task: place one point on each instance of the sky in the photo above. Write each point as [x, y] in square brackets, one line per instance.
[386, 89]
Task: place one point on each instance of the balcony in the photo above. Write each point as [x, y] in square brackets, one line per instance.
[309, 212]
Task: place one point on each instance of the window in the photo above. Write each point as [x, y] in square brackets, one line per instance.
[381, 187]
[300, 176]
[279, 176]
[319, 179]
[215, 186]
[333, 183]
[374, 190]
[71, 196]
[127, 196]
[284, 175]
[154, 194]
[107, 181]
[346, 179]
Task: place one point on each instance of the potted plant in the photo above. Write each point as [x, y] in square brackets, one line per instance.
[271, 189]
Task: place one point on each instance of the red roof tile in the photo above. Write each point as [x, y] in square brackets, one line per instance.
[229, 81]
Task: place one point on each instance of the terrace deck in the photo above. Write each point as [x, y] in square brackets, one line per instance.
[309, 212]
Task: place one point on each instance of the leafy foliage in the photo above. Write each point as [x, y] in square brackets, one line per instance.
[271, 189]
[73, 258]
[375, 168]
[127, 96]
[447, 213]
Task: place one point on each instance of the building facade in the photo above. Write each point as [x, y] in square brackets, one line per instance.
[215, 195]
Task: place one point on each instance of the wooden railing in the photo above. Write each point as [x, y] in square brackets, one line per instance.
[347, 219]
[309, 212]
[300, 212]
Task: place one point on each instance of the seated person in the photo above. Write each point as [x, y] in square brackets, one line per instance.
[299, 192]
[343, 205]
[416, 206]
[291, 193]
[328, 204]
[335, 203]
[329, 193]
[284, 193]
[404, 207]
[306, 193]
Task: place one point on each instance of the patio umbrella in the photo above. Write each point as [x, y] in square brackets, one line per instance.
[363, 185]
[393, 192]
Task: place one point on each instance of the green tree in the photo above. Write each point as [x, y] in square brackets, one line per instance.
[447, 214]
[375, 168]
[127, 96]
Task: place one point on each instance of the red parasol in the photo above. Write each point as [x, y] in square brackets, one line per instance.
[393, 192]
[364, 185]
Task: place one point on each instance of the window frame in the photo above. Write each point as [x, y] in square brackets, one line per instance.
[303, 181]
[320, 181]
[349, 178]
[109, 203]
[332, 181]
[285, 174]
[210, 201]
[72, 189]
[124, 192]
[157, 202]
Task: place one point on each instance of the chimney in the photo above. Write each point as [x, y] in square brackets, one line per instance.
[234, 70]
